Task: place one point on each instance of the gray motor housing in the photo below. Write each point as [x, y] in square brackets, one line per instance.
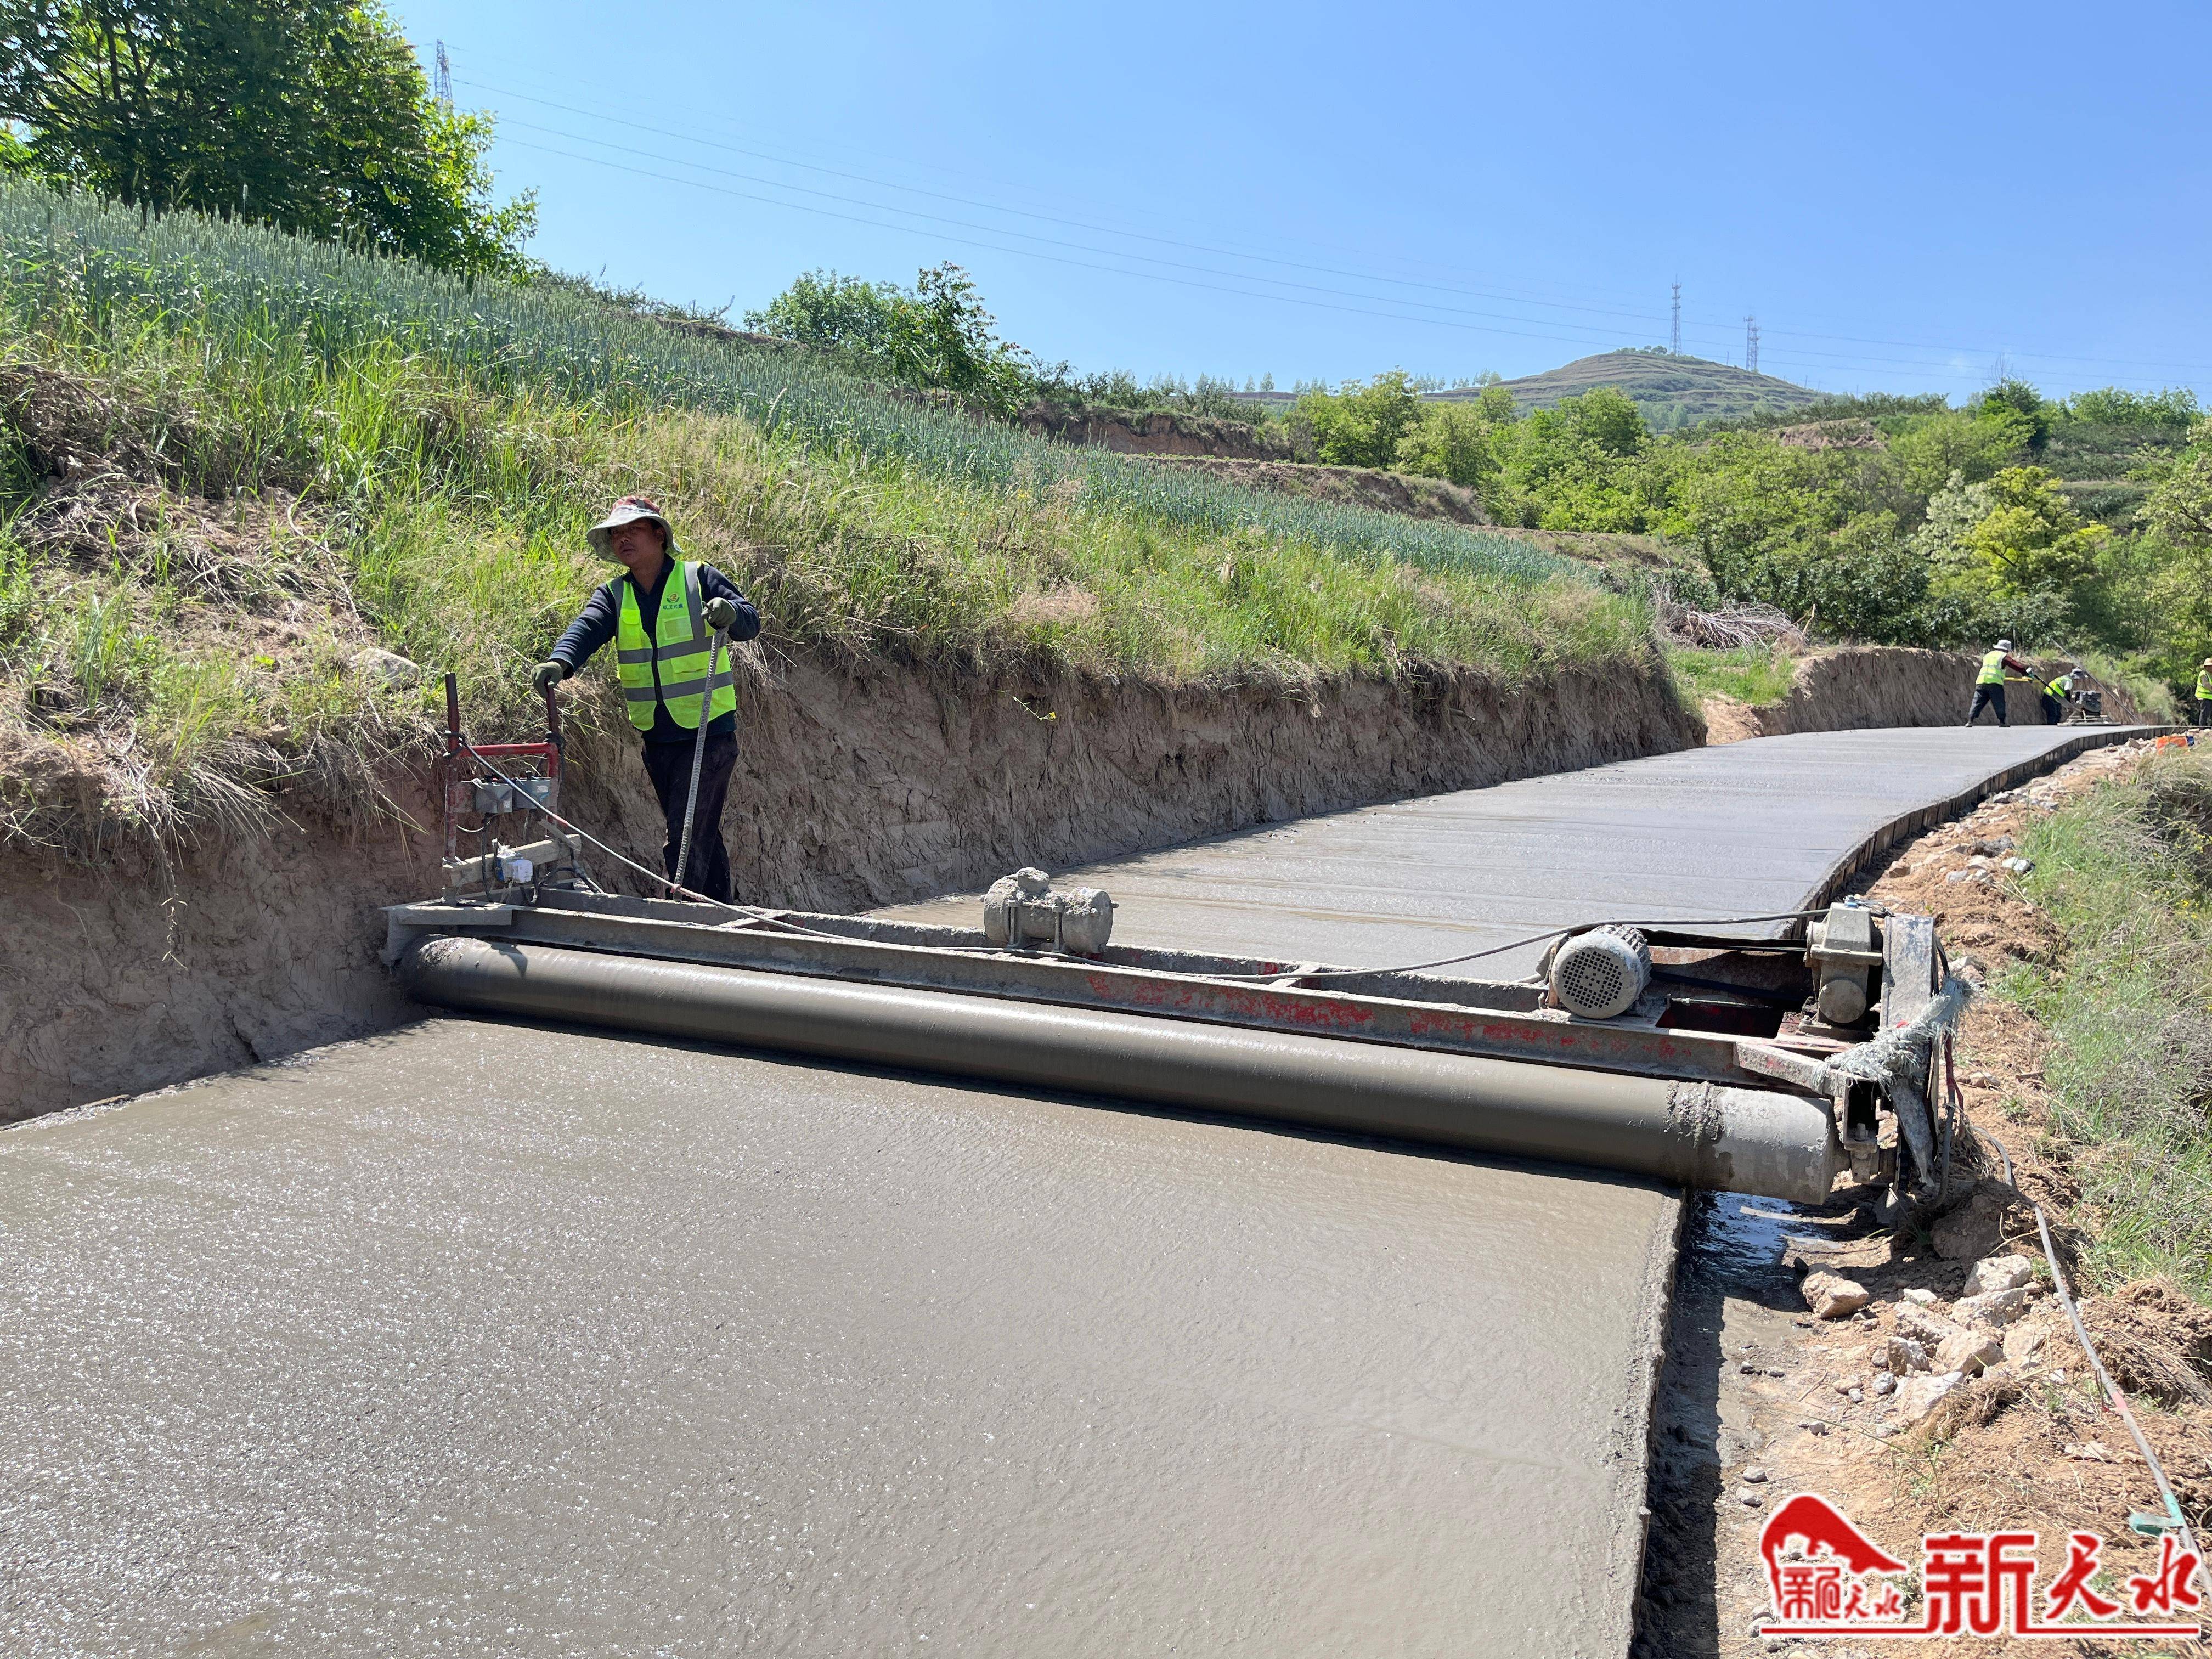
[1600, 973]
[1025, 908]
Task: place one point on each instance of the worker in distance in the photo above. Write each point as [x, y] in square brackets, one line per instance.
[1989, 683]
[663, 614]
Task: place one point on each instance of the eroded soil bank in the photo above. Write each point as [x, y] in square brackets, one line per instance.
[1857, 687]
[144, 968]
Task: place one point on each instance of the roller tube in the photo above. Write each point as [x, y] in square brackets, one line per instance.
[1692, 1134]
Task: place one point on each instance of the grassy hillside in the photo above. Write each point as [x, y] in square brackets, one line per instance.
[1667, 390]
[237, 468]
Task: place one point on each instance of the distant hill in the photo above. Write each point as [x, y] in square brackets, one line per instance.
[1671, 392]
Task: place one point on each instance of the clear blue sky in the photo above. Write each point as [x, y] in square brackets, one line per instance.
[1905, 196]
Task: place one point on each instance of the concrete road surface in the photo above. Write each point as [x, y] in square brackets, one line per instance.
[479, 1338]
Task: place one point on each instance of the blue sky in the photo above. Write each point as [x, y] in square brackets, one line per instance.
[1907, 197]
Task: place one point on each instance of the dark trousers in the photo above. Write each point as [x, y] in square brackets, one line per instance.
[2205, 711]
[2054, 712]
[669, 766]
[1988, 696]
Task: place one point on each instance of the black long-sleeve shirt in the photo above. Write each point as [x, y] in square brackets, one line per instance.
[597, 622]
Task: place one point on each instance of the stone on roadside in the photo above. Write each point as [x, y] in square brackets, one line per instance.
[2024, 1345]
[1884, 1382]
[1899, 1355]
[1969, 1351]
[1754, 1474]
[1976, 1228]
[1916, 1395]
[1998, 1273]
[1992, 1311]
[1923, 1326]
[1831, 1296]
[1919, 1297]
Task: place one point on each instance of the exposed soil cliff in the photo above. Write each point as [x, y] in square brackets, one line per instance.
[1356, 486]
[1161, 432]
[854, 791]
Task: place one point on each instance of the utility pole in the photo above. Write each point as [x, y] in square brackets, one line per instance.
[1674, 338]
[1751, 344]
[441, 84]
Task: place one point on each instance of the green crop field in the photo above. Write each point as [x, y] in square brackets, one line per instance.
[234, 466]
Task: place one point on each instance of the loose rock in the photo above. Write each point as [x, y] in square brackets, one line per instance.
[1992, 1312]
[1970, 1351]
[1916, 1395]
[1753, 1475]
[1918, 1297]
[1998, 1273]
[1884, 1383]
[1831, 1296]
[1900, 1356]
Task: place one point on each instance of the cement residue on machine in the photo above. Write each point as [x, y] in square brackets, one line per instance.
[1856, 687]
[1757, 1402]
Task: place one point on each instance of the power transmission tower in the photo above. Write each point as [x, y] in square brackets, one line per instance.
[1751, 344]
[441, 84]
[1674, 337]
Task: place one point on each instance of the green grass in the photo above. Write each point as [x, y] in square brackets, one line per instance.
[2126, 874]
[1750, 673]
[314, 452]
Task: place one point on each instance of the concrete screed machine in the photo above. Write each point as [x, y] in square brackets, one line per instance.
[1765, 1065]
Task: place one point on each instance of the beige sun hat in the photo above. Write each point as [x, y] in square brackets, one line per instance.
[629, 510]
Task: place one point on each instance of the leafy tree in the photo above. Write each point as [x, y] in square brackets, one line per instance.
[2010, 397]
[1976, 444]
[1453, 440]
[1362, 426]
[1583, 465]
[309, 114]
[2011, 537]
[2172, 409]
[936, 335]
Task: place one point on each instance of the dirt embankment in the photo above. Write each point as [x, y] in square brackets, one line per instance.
[854, 791]
[1160, 432]
[1354, 486]
[1856, 687]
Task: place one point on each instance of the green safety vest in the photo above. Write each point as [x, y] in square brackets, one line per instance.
[670, 668]
[2058, 688]
[2204, 685]
[1992, 668]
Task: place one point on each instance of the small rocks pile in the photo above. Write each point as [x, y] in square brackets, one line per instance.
[1999, 1325]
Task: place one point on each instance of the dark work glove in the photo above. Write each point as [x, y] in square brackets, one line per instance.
[547, 675]
[721, 615]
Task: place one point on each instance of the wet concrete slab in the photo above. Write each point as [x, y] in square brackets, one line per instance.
[479, 1338]
[485, 1339]
[1744, 828]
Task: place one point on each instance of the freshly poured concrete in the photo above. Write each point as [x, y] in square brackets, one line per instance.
[480, 1338]
[1745, 829]
[484, 1339]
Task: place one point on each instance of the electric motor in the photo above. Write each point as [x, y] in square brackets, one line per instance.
[1600, 973]
[1025, 908]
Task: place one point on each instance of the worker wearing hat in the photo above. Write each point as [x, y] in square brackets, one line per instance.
[664, 612]
[2204, 698]
[1990, 683]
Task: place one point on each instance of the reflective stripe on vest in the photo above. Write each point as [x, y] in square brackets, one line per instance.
[2204, 685]
[2058, 688]
[1992, 668]
[670, 668]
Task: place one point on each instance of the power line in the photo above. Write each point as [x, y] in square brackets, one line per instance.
[1614, 342]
